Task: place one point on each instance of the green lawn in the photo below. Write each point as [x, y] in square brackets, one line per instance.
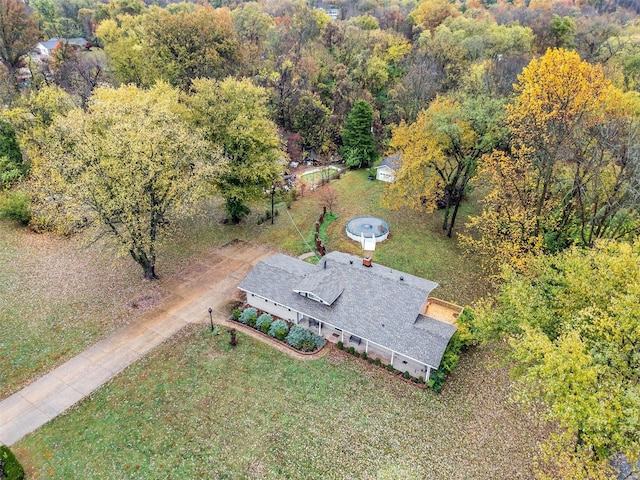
[59, 296]
[195, 408]
[416, 245]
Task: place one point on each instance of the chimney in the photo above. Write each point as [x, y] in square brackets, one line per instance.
[366, 260]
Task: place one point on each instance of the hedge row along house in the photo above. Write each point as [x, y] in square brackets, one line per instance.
[375, 309]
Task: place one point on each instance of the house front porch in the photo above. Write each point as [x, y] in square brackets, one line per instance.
[387, 356]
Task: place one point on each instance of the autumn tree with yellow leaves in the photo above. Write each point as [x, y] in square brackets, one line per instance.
[571, 172]
[572, 326]
[128, 165]
[440, 153]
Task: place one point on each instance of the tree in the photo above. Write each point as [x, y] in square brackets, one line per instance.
[128, 164]
[188, 45]
[440, 153]
[128, 60]
[234, 117]
[358, 144]
[18, 35]
[251, 25]
[571, 173]
[431, 13]
[328, 197]
[573, 330]
[175, 47]
[11, 164]
[31, 117]
[77, 73]
[311, 122]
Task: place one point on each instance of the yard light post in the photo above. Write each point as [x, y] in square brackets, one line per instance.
[211, 317]
[273, 196]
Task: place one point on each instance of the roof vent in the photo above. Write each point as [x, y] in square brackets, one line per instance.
[366, 260]
[401, 278]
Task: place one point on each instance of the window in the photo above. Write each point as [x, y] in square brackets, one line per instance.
[313, 297]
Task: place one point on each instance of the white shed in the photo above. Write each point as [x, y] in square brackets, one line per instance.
[386, 170]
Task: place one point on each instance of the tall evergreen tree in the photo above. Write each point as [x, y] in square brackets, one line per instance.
[358, 144]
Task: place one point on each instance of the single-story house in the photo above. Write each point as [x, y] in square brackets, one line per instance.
[386, 170]
[45, 48]
[373, 308]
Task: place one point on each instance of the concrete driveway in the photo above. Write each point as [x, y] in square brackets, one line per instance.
[211, 282]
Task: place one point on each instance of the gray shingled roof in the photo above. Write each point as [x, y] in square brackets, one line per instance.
[378, 303]
[323, 283]
[51, 43]
[392, 161]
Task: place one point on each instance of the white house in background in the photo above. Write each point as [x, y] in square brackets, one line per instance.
[44, 49]
[375, 309]
[386, 170]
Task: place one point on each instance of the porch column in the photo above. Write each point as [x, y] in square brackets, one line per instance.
[392, 354]
[366, 346]
[428, 374]
[319, 328]
[342, 336]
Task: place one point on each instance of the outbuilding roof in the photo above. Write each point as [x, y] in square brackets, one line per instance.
[377, 303]
[51, 43]
[391, 161]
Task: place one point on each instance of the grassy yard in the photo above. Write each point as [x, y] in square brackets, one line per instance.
[416, 245]
[58, 296]
[194, 408]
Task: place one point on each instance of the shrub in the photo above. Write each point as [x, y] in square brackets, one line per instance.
[377, 362]
[249, 316]
[279, 329]
[460, 341]
[364, 355]
[436, 381]
[351, 350]
[301, 338]
[10, 468]
[340, 346]
[308, 346]
[406, 375]
[16, 206]
[390, 367]
[263, 322]
[236, 313]
[420, 379]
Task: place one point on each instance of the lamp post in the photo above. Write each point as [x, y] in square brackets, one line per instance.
[273, 196]
[211, 317]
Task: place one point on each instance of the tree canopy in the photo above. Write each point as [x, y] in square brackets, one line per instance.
[18, 35]
[233, 115]
[573, 329]
[440, 153]
[127, 165]
[571, 172]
